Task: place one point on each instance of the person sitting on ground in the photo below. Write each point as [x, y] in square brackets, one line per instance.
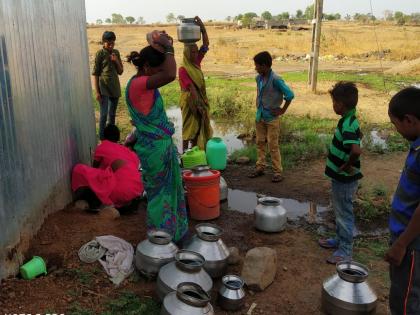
[271, 90]
[343, 168]
[114, 179]
[404, 220]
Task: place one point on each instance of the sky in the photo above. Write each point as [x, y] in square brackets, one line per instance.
[157, 10]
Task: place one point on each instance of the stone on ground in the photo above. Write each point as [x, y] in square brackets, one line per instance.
[109, 213]
[260, 267]
[81, 205]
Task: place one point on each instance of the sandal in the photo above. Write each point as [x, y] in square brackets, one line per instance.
[256, 173]
[328, 243]
[337, 257]
[277, 178]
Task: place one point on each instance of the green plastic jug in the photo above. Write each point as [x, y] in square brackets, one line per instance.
[216, 153]
[194, 157]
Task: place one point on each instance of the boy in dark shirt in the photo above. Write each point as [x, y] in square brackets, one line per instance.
[404, 221]
[105, 73]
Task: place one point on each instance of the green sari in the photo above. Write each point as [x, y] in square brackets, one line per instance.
[161, 171]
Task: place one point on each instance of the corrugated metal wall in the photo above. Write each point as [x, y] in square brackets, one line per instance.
[46, 113]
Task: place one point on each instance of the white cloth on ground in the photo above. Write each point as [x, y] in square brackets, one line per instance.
[118, 259]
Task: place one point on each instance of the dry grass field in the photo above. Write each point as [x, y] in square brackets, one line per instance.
[231, 50]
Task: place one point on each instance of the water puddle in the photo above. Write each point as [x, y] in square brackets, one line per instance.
[225, 130]
[245, 202]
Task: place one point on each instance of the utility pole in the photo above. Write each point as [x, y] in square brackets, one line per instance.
[316, 38]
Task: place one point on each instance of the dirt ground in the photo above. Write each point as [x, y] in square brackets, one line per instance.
[301, 263]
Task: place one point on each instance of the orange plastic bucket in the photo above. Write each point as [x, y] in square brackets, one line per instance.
[203, 194]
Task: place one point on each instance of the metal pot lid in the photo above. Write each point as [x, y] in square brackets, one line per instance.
[188, 20]
[270, 201]
[233, 282]
[352, 271]
[159, 237]
[189, 261]
[208, 232]
[192, 294]
[201, 170]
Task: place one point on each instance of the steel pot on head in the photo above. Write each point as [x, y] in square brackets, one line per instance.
[154, 252]
[188, 32]
[347, 292]
[208, 243]
[187, 267]
[270, 215]
[231, 295]
[189, 299]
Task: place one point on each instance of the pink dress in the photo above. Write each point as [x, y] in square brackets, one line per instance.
[117, 188]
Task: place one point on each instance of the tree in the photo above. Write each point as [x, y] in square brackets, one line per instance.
[399, 17]
[299, 14]
[238, 17]
[180, 17]
[99, 22]
[228, 18]
[284, 16]
[117, 18]
[247, 18]
[388, 15]
[170, 18]
[140, 20]
[108, 21]
[309, 12]
[130, 19]
[337, 16]
[266, 15]
[347, 17]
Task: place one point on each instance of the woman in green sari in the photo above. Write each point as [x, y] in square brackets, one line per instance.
[158, 155]
[193, 102]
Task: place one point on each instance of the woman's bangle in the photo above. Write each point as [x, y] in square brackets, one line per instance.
[168, 50]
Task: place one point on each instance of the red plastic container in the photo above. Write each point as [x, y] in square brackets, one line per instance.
[203, 194]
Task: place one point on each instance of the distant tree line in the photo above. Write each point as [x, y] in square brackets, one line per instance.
[119, 19]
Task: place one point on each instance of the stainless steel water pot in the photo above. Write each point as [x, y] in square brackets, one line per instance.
[188, 31]
[231, 295]
[154, 252]
[347, 292]
[187, 267]
[201, 171]
[270, 215]
[223, 189]
[208, 243]
[189, 299]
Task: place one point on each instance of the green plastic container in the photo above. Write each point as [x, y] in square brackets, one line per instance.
[194, 157]
[33, 268]
[216, 153]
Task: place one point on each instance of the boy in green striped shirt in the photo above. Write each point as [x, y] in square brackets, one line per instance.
[343, 168]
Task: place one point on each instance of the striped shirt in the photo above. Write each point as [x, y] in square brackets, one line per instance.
[407, 196]
[346, 134]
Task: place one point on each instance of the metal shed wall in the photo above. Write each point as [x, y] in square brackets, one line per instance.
[46, 115]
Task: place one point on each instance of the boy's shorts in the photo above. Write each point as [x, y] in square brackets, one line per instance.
[404, 295]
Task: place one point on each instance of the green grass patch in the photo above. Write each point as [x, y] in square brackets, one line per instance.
[373, 204]
[128, 303]
[85, 277]
[76, 309]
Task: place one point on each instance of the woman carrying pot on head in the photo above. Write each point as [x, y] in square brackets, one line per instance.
[161, 173]
[194, 103]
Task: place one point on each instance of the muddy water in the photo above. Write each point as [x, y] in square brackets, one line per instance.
[244, 201]
[227, 131]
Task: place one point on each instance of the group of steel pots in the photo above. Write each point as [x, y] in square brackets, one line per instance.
[184, 276]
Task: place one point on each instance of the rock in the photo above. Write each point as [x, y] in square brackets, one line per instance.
[109, 213]
[234, 257]
[242, 160]
[285, 268]
[259, 268]
[11, 295]
[81, 205]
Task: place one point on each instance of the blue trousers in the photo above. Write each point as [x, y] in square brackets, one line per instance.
[342, 200]
[108, 108]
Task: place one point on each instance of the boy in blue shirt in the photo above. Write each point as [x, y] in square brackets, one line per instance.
[404, 221]
[271, 90]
